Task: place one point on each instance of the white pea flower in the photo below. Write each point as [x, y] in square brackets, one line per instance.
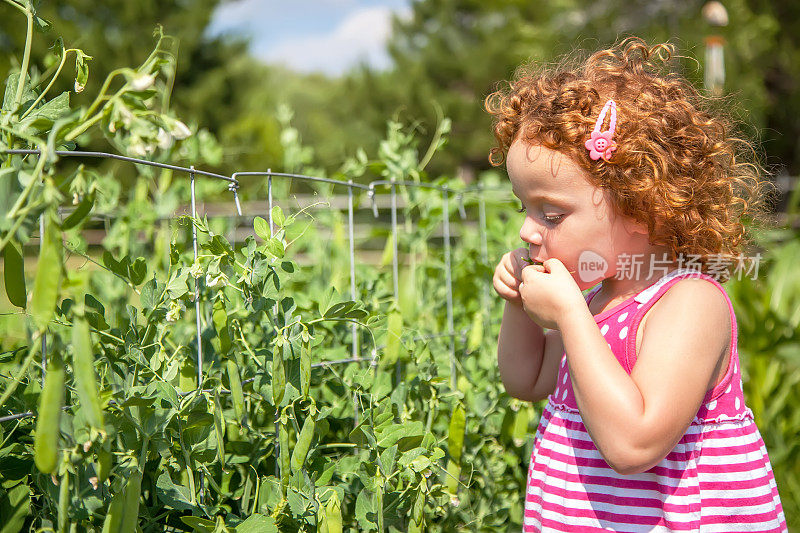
[137, 147]
[164, 139]
[142, 82]
[180, 130]
[216, 282]
[125, 113]
[93, 482]
[174, 312]
[196, 271]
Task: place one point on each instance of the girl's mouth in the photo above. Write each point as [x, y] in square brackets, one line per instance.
[534, 262]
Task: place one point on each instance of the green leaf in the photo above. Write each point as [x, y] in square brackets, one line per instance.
[261, 228]
[275, 247]
[15, 505]
[51, 110]
[175, 496]
[14, 274]
[138, 271]
[81, 70]
[9, 97]
[149, 295]
[257, 523]
[41, 25]
[277, 216]
[366, 511]
[199, 525]
[48, 275]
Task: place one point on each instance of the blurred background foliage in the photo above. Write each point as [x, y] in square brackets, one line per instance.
[446, 58]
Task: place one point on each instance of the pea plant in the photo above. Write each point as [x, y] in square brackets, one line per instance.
[108, 422]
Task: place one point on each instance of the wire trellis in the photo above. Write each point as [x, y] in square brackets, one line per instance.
[370, 189]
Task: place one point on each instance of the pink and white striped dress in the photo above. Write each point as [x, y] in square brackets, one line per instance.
[717, 478]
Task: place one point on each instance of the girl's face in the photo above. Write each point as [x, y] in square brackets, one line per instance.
[568, 218]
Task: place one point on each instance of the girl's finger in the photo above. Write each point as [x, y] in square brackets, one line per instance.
[506, 292]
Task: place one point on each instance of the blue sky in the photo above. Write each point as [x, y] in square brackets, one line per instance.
[313, 35]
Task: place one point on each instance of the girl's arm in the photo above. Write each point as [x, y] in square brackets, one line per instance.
[636, 420]
[520, 347]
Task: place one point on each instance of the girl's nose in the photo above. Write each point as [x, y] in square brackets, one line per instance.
[530, 233]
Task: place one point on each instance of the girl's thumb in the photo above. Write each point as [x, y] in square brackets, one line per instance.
[552, 264]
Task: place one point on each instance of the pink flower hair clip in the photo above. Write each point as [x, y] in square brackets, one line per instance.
[601, 144]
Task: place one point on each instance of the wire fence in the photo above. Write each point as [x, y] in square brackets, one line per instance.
[371, 190]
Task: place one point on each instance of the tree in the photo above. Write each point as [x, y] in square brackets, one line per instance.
[214, 79]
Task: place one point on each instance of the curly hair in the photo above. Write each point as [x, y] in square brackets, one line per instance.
[677, 169]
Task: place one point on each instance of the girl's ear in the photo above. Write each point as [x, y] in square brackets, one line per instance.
[632, 227]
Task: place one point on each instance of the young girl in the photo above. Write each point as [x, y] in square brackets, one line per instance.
[626, 179]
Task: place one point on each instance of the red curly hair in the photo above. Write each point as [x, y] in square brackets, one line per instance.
[677, 170]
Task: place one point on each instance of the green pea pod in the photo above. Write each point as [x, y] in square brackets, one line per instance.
[407, 298]
[113, 520]
[130, 514]
[235, 383]
[105, 460]
[455, 435]
[322, 520]
[45, 441]
[519, 431]
[475, 333]
[219, 428]
[333, 514]
[48, 275]
[80, 212]
[305, 368]
[278, 376]
[303, 444]
[283, 444]
[455, 445]
[84, 373]
[63, 503]
[453, 477]
[419, 507]
[394, 329]
[220, 319]
[14, 274]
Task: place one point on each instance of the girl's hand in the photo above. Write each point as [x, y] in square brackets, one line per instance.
[508, 274]
[549, 293]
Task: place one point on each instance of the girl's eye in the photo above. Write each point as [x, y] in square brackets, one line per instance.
[554, 219]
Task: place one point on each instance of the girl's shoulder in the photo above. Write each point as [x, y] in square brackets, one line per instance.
[692, 293]
[695, 306]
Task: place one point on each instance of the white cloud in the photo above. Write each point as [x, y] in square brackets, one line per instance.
[362, 34]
